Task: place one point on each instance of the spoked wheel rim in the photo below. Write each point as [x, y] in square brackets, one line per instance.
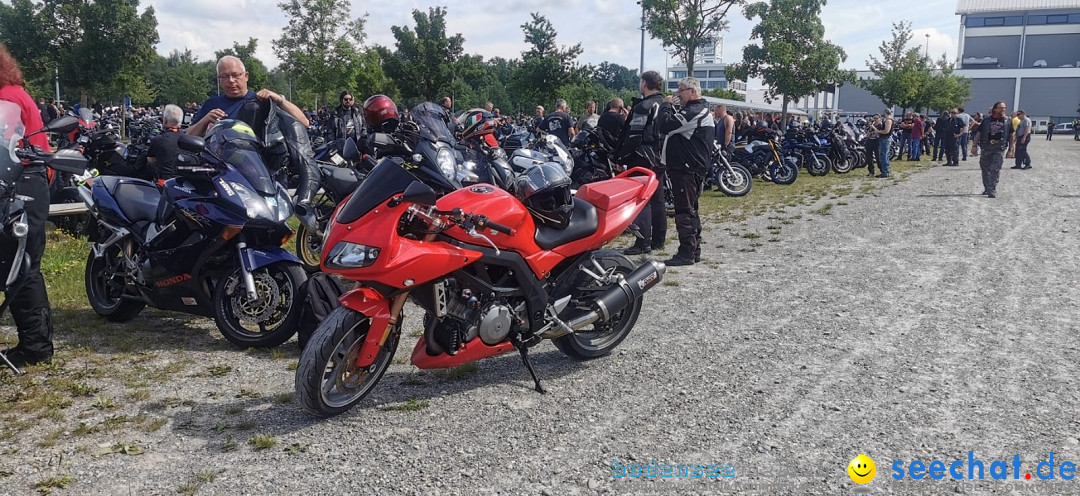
[342, 380]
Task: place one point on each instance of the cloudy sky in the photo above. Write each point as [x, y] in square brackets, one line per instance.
[608, 30]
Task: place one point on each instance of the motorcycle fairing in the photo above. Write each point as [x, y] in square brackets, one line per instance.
[256, 258]
[374, 306]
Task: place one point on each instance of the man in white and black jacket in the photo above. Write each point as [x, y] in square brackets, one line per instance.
[639, 146]
[686, 152]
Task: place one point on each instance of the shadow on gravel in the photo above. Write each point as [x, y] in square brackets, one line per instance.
[949, 195]
[505, 375]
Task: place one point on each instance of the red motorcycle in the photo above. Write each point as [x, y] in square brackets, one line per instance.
[493, 271]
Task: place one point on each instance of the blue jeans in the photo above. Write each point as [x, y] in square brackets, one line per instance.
[916, 149]
[963, 144]
[886, 143]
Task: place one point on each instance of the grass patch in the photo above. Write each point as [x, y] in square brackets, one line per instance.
[263, 441]
[824, 210]
[218, 370]
[284, 398]
[46, 486]
[671, 283]
[410, 405]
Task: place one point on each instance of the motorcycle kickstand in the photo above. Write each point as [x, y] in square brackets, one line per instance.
[528, 365]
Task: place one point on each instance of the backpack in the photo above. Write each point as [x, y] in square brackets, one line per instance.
[320, 292]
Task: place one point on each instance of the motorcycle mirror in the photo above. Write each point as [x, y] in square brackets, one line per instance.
[420, 194]
[191, 143]
[64, 124]
[68, 160]
[348, 150]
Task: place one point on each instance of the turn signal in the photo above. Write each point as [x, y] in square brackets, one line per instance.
[230, 232]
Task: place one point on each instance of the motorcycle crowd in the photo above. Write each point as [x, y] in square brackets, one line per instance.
[494, 228]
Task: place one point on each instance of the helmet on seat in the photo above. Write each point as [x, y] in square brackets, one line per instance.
[380, 114]
[545, 190]
[477, 122]
[229, 130]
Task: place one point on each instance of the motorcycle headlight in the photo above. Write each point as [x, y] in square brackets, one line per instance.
[444, 158]
[347, 255]
[282, 203]
[256, 206]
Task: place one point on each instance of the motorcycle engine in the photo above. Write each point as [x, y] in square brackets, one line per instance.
[463, 315]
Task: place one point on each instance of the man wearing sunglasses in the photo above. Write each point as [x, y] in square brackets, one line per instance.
[233, 79]
[347, 117]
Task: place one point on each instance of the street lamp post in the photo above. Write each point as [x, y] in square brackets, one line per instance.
[927, 46]
[641, 63]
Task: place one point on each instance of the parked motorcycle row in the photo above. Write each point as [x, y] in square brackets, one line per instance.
[500, 242]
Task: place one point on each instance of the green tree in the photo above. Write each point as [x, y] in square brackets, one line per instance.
[101, 47]
[179, 78]
[545, 67]
[945, 89]
[319, 41]
[21, 31]
[423, 62]
[370, 78]
[615, 77]
[687, 25]
[901, 73]
[258, 74]
[793, 57]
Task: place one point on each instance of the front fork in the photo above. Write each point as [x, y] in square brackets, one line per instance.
[249, 280]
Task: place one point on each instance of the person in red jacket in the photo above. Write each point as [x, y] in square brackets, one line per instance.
[29, 301]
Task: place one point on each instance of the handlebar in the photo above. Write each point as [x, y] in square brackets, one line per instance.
[483, 222]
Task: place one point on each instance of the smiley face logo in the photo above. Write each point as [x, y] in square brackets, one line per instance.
[861, 469]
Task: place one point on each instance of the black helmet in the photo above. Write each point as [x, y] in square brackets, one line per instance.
[545, 190]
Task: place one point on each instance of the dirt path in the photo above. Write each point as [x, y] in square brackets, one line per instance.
[920, 322]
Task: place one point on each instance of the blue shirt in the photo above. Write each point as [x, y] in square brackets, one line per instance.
[231, 106]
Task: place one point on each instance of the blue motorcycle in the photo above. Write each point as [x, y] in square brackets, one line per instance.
[207, 243]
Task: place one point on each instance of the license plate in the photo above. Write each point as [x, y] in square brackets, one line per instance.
[336, 159]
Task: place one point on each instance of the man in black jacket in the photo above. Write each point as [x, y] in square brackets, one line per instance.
[686, 152]
[348, 119]
[953, 128]
[640, 146]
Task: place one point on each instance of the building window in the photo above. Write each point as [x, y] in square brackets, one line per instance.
[717, 74]
[672, 85]
[1014, 20]
[1036, 19]
[1057, 19]
[701, 74]
[974, 22]
[1074, 18]
[994, 21]
[678, 74]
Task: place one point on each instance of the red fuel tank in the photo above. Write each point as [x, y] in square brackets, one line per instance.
[500, 207]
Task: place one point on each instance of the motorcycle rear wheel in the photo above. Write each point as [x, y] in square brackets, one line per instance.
[603, 336]
[735, 182]
[105, 287]
[308, 243]
[277, 296]
[844, 163]
[819, 165]
[328, 382]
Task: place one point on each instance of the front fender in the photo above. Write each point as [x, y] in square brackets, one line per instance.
[376, 307]
[255, 258]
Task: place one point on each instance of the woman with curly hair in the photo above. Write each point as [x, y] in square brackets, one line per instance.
[29, 302]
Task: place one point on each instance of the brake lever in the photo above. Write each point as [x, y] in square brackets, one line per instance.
[471, 231]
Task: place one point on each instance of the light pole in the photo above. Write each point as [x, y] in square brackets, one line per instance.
[641, 63]
[927, 46]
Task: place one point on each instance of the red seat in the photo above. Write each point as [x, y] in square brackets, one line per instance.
[612, 192]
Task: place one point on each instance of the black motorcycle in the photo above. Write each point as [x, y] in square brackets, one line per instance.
[731, 179]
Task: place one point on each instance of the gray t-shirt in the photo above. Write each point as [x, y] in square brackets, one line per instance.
[1023, 128]
[967, 121]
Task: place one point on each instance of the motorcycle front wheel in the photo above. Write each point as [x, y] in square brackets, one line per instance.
[845, 162]
[783, 172]
[328, 381]
[603, 336]
[818, 165]
[736, 181]
[271, 317]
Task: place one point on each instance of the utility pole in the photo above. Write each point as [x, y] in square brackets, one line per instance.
[641, 64]
[927, 46]
[56, 79]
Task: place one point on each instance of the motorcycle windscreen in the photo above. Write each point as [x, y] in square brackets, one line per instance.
[429, 117]
[11, 131]
[245, 157]
[385, 181]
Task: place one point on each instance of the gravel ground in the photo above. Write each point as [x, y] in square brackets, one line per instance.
[919, 322]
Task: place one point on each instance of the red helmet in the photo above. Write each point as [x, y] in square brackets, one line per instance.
[380, 113]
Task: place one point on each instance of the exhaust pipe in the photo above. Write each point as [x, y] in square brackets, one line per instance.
[614, 300]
